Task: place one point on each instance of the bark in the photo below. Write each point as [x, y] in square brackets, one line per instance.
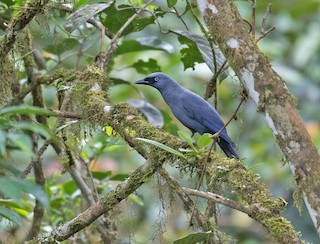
[270, 94]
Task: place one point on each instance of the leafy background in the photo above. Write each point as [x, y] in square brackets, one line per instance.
[147, 46]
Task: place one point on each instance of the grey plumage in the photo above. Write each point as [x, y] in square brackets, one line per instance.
[191, 110]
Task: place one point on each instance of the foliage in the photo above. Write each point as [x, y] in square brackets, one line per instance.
[86, 160]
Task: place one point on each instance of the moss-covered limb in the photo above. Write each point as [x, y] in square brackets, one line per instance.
[224, 171]
[42, 79]
[9, 84]
[24, 16]
[141, 175]
[270, 94]
[232, 175]
[130, 124]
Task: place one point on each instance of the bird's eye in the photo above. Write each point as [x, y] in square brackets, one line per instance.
[156, 79]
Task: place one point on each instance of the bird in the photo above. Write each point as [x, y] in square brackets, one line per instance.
[191, 110]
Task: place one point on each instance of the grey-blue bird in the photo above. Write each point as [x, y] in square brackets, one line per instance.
[191, 110]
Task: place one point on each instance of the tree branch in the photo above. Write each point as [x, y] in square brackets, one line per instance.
[24, 16]
[103, 59]
[122, 191]
[271, 96]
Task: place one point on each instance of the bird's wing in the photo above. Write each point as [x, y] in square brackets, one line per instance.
[201, 111]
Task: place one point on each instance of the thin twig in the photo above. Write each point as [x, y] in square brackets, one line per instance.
[39, 153]
[103, 59]
[253, 20]
[206, 34]
[92, 21]
[67, 114]
[218, 199]
[19, 22]
[232, 117]
[210, 86]
[180, 17]
[263, 31]
[187, 201]
[103, 32]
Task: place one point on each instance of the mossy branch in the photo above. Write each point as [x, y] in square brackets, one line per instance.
[129, 124]
[24, 16]
[269, 92]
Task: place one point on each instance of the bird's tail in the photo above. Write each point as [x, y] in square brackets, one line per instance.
[228, 148]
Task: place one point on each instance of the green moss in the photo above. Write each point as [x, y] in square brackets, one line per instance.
[75, 226]
[88, 99]
[8, 81]
[281, 229]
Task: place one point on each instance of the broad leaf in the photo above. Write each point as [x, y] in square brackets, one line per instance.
[171, 3]
[16, 187]
[69, 187]
[10, 215]
[146, 67]
[204, 140]
[203, 47]
[190, 55]
[83, 14]
[115, 17]
[162, 146]
[36, 128]
[185, 136]
[119, 177]
[143, 44]
[101, 175]
[152, 114]
[26, 110]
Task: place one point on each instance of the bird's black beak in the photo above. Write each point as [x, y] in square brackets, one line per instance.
[143, 82]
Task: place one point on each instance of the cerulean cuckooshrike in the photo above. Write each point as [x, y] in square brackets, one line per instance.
[191, 110]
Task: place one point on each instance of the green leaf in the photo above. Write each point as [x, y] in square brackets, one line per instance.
[138, 200]
[185, 137]
[10, 215]
[82, 15]
[146, 67]
[3, 146]
[144, 44]
[204, 49]
[109, 130]
[195, 238]
[116, 17]
[26, 110]
[21, 142]
[14, 188]
[171, 3]
[36, 128]
[164, 147]
[9, 168]
[8, 203]
[101, 175]
[190, 55]
[119, 177]
[113, 148]
[204, 140]
[69, 187]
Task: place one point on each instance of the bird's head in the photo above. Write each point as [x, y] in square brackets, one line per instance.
[157, 80]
